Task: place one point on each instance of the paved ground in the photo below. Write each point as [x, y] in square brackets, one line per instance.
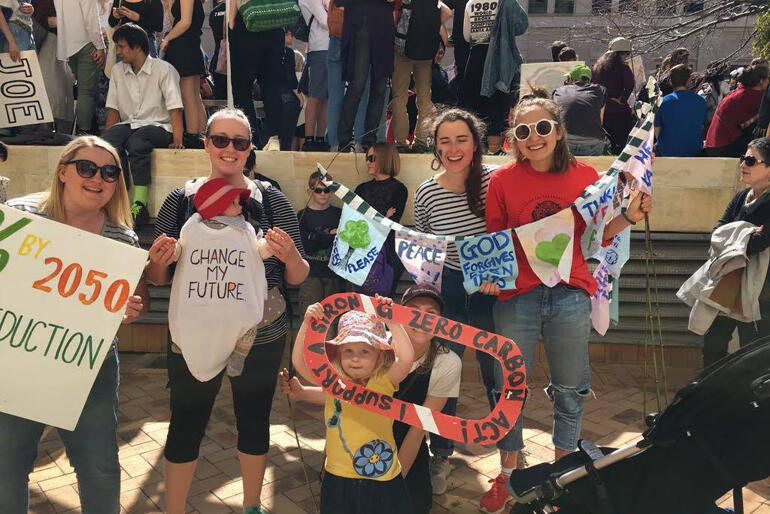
[612, 418]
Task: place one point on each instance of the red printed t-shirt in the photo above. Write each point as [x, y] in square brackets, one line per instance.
[519, 195]
[736, 108]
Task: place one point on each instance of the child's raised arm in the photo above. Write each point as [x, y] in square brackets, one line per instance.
[402, 347]
[315, 311]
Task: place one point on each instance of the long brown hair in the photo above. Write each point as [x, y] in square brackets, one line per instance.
[608, 63]
[473, 181]
[562, 159]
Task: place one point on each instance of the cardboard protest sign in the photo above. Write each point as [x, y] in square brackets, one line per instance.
[22, 92]
[485, 431]
[63, 293]
[488, 258]
[548, 245]
[423, 258]
[549, 75]
[356, 246]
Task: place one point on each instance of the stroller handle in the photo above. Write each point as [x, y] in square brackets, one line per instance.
[624, 452]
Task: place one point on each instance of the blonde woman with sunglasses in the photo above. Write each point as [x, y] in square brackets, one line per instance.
[227, 143]
[88, 192]
[543, 180]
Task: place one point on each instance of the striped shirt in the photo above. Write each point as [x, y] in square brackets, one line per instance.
[283, 216]
[445, 213]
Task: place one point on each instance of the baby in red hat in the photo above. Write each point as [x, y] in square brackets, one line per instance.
[219, 288]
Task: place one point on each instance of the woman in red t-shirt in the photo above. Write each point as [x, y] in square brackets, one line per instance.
[730, 129]
[544, 180]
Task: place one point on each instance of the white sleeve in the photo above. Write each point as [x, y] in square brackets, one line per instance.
[317, 10]
[445, 376]
[92, 23]
[467, 22]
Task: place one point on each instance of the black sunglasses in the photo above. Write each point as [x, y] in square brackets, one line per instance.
[371, 158]
[750, 160]
[87, 169]
[239, 143]
[320, 190]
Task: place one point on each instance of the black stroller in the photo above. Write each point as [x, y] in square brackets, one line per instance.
[712, 437]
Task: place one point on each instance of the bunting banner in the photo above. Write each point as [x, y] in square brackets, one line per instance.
[488, 258]
[640, 167]
[600, 301]
[422, 257]
[548, 244]
[593, 203]
[356, 246]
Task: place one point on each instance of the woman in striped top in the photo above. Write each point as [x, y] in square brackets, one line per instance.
[452, 203]
[88, 192]
[228, 141]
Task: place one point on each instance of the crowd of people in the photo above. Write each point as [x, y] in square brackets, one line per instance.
[353, 50]
[367, 72]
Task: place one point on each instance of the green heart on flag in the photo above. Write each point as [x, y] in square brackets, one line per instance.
[551, 251]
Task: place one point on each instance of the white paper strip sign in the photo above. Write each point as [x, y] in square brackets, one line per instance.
[422, 257]
[23, 99]
[63, 293]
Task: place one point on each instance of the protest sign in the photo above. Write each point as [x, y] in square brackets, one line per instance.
[22, 92]
[548, 243]
[640, 165]
[356, 246]
[549, 75]
[63, 293]
[423, 258]
[484, 431]
[488, 258]
[600, 301]
[595, 207]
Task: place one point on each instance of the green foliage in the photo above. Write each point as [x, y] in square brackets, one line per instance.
[356, 234]
[762, 38]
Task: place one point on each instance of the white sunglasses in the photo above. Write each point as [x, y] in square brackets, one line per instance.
[544, 127]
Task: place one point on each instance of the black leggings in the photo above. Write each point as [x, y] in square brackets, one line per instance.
[192, 400]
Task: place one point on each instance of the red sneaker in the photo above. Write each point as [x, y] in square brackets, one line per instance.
[494, 500]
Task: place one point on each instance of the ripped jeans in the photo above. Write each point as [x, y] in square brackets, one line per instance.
[561, 317]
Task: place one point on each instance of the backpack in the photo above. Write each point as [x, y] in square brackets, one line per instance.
[302, 28]
[417, 30]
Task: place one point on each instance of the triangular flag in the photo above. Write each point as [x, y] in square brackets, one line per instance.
[422, 257]
[548, 245]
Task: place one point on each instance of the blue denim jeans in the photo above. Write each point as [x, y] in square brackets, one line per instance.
[92, 449]
[561, 317]
[579, 149]
[22, 36]
[475, 310]
[337, 93]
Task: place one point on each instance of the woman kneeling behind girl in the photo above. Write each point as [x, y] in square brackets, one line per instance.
[363, 474]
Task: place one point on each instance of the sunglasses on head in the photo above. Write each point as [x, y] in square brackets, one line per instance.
[87, 169]
[239, 143]
[750, 160]
[321, 190]
[371, 157]
[544, 127]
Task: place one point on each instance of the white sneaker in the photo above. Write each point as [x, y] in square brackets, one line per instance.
[439, 470]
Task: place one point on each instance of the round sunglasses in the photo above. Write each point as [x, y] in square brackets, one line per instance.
[750, 160]
[239, 143]
[543, 127]
[87, 169]
[371, 157]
